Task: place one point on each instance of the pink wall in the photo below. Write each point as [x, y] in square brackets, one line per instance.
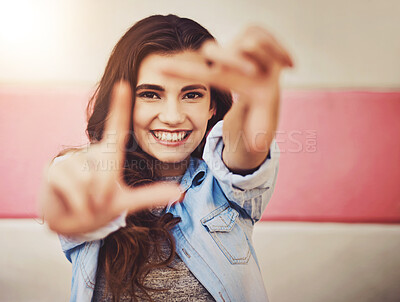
[347, 167]
[340, 152]
[34, 126]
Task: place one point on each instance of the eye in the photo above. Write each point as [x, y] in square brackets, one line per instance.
[149, 95]
[193, 95]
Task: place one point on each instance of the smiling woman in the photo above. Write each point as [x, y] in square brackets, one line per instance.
[168, 84]
[168, 109]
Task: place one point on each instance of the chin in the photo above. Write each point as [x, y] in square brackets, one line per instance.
[172, 158]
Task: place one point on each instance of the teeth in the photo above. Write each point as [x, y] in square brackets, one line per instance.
[170, 137]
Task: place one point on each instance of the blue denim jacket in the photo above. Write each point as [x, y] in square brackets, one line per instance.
[214, 238]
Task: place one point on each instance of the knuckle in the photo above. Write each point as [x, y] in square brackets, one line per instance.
[250, 45]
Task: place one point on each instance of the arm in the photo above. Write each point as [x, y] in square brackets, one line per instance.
[245, 149]
[77, 198]
[251, 191]
[250, 66]
[237, 148]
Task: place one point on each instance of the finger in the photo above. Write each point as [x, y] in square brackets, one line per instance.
[42, 196]
[280, 54]
[54, 208]
[100, 196]
[259, 44]
[230, 59]
[53, 202]
[251, 50]
[118, 119]
[271, 44]
[147, 196]
[71, 225]
[55, 216]
[63, 221]
[68, 194]
[214, 75]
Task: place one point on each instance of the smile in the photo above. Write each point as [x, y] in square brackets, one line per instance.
[170, 138]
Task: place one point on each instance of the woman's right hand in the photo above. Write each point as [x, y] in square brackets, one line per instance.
[77, 197]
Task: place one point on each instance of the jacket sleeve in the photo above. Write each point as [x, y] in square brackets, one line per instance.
[69, 243]
[253, 191]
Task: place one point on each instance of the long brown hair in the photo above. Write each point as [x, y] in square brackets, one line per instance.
[125, 253]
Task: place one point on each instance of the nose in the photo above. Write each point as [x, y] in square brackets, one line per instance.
[171, 113]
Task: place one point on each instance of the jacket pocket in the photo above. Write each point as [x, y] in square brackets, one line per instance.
[228, 235]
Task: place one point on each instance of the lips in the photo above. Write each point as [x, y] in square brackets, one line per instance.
[171, 138]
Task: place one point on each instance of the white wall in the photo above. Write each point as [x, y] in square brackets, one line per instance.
[335, 43]
[302, 262]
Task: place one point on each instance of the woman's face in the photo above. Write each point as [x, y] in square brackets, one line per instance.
[170, 115]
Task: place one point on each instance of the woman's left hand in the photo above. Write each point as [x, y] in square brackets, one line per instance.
[249, 66]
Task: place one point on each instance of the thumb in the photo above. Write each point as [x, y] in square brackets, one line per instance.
[146, 196]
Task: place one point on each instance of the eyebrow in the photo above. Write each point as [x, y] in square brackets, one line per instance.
[160, 88]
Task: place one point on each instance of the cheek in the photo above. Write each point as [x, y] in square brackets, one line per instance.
[202, 119]
[139, 124]
[140, 116]
[199, 115]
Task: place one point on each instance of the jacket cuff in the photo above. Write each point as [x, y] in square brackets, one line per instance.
[262, 178]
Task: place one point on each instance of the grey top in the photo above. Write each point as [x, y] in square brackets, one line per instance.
[176, 278]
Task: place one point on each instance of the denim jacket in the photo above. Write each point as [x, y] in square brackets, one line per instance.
[214, 238]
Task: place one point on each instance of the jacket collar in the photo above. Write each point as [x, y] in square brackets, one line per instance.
[194, 175]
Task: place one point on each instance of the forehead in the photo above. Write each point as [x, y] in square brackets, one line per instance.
[149, 71]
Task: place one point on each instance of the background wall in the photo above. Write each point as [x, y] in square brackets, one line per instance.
[340, 152]
[339, 136]
[334, 43]
[340, 104]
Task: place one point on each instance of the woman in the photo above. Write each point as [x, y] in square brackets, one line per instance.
[115, 204]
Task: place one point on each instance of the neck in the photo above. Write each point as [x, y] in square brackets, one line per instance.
[172, 169]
